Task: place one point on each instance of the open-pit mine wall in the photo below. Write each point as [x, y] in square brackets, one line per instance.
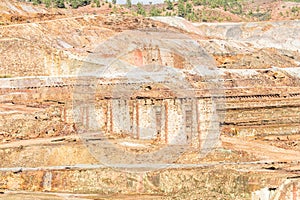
[48, 102]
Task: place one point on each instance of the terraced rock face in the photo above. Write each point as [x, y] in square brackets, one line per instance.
[257, 70]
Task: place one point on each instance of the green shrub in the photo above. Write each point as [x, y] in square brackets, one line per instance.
[36, 2]
[62, 3]
[188, 8]
[128, 3]
[181, 9]
[170, 5]
[140, 9]
[155, 11]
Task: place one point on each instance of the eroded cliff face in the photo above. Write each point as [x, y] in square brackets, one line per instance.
[59, 46]
[40, 150]
[260, 79]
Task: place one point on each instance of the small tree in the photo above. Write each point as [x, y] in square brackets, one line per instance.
[97, 3]
[140, 9]
[181, 9]
[47, 3]
[192, 16]
[115, 9]
[36, 2]
[155, 11]
[188, 8]
[128, 3]
[74, 3]
[170, 5]
[196, 2]
[60, 3]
